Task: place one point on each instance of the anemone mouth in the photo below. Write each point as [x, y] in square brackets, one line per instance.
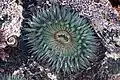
[59, 38]
[63, 38]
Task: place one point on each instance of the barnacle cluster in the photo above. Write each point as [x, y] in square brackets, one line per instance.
[61, 37]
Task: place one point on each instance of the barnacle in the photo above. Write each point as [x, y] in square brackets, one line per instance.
[9, 77]
[61, 37]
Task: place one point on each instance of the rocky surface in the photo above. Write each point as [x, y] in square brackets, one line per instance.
[11, 18]
[13, 13]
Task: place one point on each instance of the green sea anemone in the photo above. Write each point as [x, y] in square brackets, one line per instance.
[61, 37]
[9, 77]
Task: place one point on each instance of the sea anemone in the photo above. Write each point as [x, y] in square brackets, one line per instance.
[62, 37]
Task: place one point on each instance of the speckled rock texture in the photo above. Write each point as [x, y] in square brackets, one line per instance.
[103, 18]
[10, 18]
